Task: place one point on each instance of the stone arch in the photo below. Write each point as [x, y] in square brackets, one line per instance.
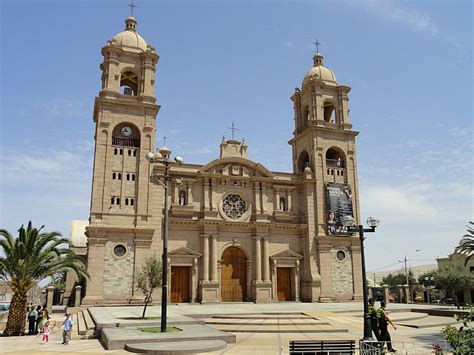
[329, 111]
[129, 81]
[233, 274]
[303, 161]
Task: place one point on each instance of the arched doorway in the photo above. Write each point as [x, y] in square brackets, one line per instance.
[233, 276]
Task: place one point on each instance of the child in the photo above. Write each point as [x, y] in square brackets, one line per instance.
[46, 331]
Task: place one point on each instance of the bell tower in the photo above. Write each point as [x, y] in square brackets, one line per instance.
[323, 153]
[125, 119]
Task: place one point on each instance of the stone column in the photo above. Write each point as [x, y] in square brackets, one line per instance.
[258, 260]
[266, 261]
[289, 206]
[386, 293]
[205, 258]
[206, 194]
[77, 299]
[297, 280]
[49, 298]
[400, 293]
[214, 258]
[248, 264]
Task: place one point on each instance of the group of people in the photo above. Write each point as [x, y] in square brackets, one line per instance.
[379, 322]
[39, 322]
[37, 319]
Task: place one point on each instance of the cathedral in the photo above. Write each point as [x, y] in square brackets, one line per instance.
[238, 232]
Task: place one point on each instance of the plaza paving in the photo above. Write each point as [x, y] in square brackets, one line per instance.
[258, 328]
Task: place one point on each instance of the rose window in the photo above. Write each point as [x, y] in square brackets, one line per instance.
[234, 206]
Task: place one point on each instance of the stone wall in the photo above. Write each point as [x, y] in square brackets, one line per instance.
[118, 272]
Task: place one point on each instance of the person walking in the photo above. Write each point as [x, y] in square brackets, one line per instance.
[384, 320]
[46, 331]
[67, 324]
[374, 323]
[32, 316]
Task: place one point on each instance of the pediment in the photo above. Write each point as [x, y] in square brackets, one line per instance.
[235, 166]
[287, 254]
[184, 251]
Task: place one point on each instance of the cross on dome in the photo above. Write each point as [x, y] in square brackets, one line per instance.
[131, 6]
[233, 129]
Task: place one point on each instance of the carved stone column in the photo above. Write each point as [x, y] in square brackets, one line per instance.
[248, 265]
[289, 203]
[214, 259]
[205, 258]
[258, 260]
[266, 261]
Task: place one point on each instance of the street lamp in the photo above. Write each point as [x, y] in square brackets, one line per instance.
[162, 156]
[372, 222]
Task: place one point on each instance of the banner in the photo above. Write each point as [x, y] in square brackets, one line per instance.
[338, 205]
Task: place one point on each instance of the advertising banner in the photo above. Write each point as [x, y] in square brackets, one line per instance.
[338, 205]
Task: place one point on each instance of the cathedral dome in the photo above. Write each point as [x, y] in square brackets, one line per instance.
[320, 72]
[130, 38]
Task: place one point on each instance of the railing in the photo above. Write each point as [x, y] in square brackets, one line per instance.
[335, 162]
[126, 142]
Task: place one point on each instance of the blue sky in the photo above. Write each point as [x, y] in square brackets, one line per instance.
[409, 64]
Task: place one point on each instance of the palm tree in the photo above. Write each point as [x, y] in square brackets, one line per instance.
[466, 244]
[28, 259]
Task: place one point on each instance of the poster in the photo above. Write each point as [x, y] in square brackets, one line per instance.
[338, 205]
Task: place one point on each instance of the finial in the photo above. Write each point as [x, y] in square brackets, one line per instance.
[317, 45]
[131, 6]
[164, 140]
[233, 129]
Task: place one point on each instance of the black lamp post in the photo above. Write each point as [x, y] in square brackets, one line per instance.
[429, 281]
[162, 156]
[372, 222]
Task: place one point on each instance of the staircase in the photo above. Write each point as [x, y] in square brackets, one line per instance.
[84, 324]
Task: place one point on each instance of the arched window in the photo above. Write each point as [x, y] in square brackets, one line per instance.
[182, 198]
[121, 151]
[334, 158]
[303, 161]
[129, 83]
[114, 176]
[129, 153]
[112, 200]
[126, 202]
[329, 112]
[118, 200]
[128, 177]
[120, 176]
[115, 151]
[135, 153]
[131, 202]
[133, 177]
[282, 204]
[306, 114]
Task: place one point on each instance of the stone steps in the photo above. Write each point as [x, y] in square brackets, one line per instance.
[84, 324]
[256, 328]
[170, 348]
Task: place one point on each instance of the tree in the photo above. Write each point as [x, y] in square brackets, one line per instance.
[393, 280]
[149, 279]
[453, 279]
[28, 259]
[466, 244]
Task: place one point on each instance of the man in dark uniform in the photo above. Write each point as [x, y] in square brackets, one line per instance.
[374, 324]
[383, 326]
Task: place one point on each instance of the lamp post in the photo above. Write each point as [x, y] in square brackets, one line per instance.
[429, 285]
[162, 156]
[372, 222]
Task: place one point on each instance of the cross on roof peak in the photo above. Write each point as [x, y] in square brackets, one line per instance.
[233, 129]
[131, 6]
[317, 44]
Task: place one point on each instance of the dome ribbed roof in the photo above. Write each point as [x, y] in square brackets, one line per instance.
[130, 38]
[320, 72]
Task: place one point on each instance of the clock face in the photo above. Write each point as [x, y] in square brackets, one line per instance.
[126, 131]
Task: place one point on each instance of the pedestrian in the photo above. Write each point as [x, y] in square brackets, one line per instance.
[384, 320]
[67, 323]
[39, 319]
[46, 316]
[374, 323]
[32, 316]
[46, 331]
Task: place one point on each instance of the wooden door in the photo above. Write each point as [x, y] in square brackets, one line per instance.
[283, 284]
[180, 284]
[233, 276]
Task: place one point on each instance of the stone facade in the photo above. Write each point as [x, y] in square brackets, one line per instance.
[237, 231]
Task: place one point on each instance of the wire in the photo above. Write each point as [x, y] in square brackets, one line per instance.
[383, 267]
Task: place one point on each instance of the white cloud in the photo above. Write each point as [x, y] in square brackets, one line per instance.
[289, 44]
[415, 20]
